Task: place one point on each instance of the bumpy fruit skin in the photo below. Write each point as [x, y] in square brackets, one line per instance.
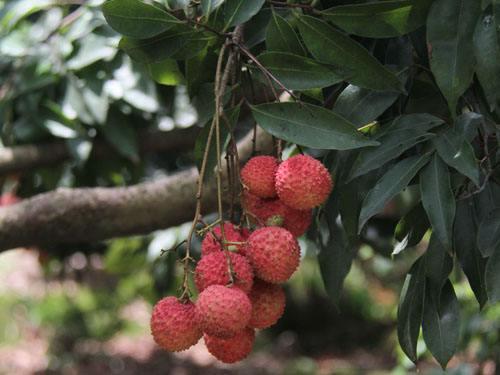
[258, 176]
[233, 234]
[302, 182]
[273, 212]
[212, 269]
[233, 349]
[268, 304]
[174, 325]
[274, 254]
[223, 311]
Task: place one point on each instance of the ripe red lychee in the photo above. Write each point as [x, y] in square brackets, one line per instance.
[8, 199]
[274, 254]
[210, 244]
[223, 311]
[174, 325]
[273, 212]
[213, 269]
[258, 176]
[302, 182]
[233, 349]
[268, 304]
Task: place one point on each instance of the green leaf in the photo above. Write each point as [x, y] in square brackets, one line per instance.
[281, 37]
[410, 309]
[488, 233]
[298, 72]
[379, 19]
[438, 265]
[464, 244]
[493, 277]
[487, 52]
[208, 6]
[120, 133]
[330, 46]
[438, 199]
[80, 149]
[361, 106]
[137, 19]
[166, 73]
[309, 125]
[457, 152]
[164, 46]
[450, 26]
[391, 183]
[405, 132]
[441, 323]
[411, 229]
[237, 12]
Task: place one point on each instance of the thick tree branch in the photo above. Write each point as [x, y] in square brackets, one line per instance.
[24, 158]
[71, 216]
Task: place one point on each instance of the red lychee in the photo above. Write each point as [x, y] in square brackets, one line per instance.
[268, 304]
[174, 325]
[213, 269]
[273, 212]
[258, 176]
[210, 244]
[223, 311]
[233, 349]
[274, 254]
[302, 182]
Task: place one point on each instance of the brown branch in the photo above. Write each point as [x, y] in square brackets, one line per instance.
[23, 158]
[72, 216]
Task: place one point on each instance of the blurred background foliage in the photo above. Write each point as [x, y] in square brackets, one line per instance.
[62, 77]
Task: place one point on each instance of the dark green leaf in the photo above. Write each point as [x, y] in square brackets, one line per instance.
[281, 37]
[488, 233]
[438, 265]
[122, 136]
[464, 243]
[438, 199]
[309, 125]
[467, 125]
[361, 106]
[411, 228]
[166, 72]
[457, 152]
[391, 183]
[380, 19]
[493, 277]
[298, 72]
[441, 323]
[137, 19]
[237, 12]
[487, 52]
[410, 309]
[330, 46]
[208, 6]
[450, 26]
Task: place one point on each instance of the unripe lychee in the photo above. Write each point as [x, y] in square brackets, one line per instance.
[268, 304]
[233, 349]
[258, 176]
[274, 254]
[213, 269]
[273, 212]
[174, 325]
[223, 311]
[210, 243]
[302, 182]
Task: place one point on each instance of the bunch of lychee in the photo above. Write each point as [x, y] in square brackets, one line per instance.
[240, 271]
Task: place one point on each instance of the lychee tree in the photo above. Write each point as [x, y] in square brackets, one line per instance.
[397, 99]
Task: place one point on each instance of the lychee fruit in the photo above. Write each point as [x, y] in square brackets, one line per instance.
[274, 254]
[258, 176]
[211, 243]
[213, 269]
[223, 311]
[174, 325]
[268, 304]
[302, 182]
[273, 212]
[233, 349]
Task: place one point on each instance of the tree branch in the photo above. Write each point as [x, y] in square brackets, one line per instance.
[72, 216]
[23, 158]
